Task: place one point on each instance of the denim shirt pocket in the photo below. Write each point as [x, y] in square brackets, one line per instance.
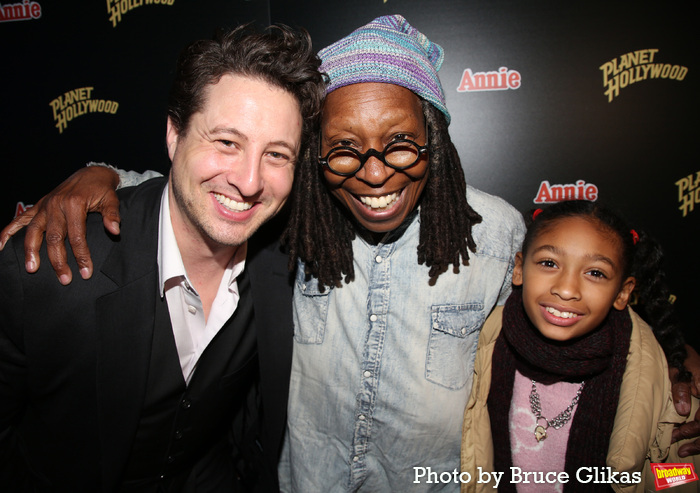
[310, 309]
[452, 345]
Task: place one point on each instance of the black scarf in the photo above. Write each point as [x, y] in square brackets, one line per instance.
[599, 358]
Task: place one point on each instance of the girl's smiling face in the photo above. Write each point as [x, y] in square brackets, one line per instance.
[571, 277]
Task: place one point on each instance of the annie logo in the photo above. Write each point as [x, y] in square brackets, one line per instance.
[25, 11]
[489, 81]
[669, 475]
[19, 210]
[571, 191]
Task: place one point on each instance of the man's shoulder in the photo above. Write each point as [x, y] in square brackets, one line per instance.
[142, 195]
[138, 208]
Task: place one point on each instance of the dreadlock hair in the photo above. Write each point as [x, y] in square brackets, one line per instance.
[446, 217]
[320, 230]
[641, 259]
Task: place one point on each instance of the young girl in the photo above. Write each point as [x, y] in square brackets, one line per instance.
[567, 379]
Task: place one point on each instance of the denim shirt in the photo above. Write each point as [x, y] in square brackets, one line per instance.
[382, 366]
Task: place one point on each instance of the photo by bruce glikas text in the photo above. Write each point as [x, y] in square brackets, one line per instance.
[584, 475]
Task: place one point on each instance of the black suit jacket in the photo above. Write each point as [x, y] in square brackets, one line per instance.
[74, 360]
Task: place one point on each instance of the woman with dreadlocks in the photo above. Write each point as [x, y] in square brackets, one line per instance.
[397, 265]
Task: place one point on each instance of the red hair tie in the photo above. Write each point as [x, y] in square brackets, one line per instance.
[635, 236]
[536, 213]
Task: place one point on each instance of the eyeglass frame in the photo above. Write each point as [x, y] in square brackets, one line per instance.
[363, 157]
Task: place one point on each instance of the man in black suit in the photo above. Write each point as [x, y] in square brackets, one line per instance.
[168, 370]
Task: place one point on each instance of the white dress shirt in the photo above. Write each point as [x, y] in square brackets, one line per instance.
[192, 332]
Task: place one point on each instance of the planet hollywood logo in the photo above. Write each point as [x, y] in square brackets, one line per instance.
[78, 102]
[117, 8]
[24, 11]
[688, 193]
[636, 66]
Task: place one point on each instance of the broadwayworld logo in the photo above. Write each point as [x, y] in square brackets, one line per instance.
[669, 475]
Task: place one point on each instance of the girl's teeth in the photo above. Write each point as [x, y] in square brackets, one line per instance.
[559, 314]
[380, 202]
[232, 204]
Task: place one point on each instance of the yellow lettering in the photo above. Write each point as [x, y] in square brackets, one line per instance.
[624, 62]
[607, 69]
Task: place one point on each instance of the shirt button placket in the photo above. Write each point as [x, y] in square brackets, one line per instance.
[378, 307]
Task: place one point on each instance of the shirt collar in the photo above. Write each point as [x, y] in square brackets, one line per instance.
[169, 258]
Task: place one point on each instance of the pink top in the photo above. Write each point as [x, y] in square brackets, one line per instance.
[549, 454]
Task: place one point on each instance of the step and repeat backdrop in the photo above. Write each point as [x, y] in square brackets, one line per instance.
[549, 100]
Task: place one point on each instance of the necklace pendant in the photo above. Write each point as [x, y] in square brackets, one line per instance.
[540, 433]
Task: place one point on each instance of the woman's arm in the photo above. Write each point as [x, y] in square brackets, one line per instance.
[63, 211]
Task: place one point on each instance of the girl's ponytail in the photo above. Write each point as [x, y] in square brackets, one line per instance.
[653, 301]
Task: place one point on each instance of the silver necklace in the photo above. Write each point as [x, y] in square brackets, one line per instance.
[557, 422]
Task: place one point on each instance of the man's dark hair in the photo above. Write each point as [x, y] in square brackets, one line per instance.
[279, 55]
[320, 230]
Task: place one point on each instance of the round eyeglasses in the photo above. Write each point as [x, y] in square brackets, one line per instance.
[398, 154]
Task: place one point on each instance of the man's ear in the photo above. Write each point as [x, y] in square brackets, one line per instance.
[623, 296]
[518, 270]
[171, 137]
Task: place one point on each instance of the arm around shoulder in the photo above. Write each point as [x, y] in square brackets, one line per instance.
[62, 213]
[645, 415]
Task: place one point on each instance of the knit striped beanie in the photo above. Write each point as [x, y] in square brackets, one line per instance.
[389, 50]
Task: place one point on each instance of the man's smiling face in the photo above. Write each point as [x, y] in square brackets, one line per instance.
[233, 167]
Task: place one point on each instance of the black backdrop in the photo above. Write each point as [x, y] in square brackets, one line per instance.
[557, 124]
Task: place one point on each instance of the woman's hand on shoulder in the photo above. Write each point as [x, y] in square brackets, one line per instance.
[62, 213]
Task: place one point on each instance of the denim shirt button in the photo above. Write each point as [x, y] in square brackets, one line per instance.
[361, 417]
[378, 259]
[355, 459]
[367, 374]
[464, 330]
[373, 318]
